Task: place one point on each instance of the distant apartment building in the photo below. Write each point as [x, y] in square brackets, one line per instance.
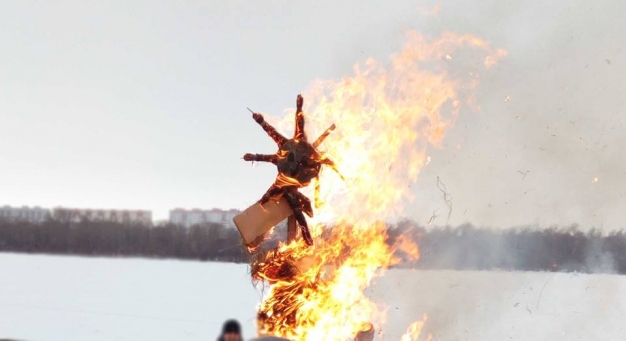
[33, 215]
[196, 216]
[118, 216]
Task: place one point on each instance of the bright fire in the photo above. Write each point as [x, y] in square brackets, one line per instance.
[415, 329]
[388, 115]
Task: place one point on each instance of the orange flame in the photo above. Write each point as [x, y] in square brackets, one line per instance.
[387, 116]
[414, 331]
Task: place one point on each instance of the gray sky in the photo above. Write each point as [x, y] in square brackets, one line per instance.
[143, 104]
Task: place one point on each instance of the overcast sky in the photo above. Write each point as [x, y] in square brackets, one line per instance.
[142, 104]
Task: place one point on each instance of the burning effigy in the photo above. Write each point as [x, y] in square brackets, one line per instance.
[298, 163]
[388, 116]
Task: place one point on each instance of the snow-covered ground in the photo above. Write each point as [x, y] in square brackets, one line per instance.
[74, 298]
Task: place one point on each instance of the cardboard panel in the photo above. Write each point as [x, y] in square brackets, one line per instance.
[256, 220]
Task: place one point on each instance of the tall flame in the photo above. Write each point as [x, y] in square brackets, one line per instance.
[387, 116]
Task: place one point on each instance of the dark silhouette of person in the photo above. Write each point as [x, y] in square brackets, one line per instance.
[231, 331]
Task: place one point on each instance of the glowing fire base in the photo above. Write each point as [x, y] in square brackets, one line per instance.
[311, 287]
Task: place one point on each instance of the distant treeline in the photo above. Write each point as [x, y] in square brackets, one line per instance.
[554, 249]
[463, 247]
[98, 238]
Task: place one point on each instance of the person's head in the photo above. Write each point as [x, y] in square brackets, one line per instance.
[231, 331]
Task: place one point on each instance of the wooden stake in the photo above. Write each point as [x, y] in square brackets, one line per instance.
[366, 333]
[292, 228]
